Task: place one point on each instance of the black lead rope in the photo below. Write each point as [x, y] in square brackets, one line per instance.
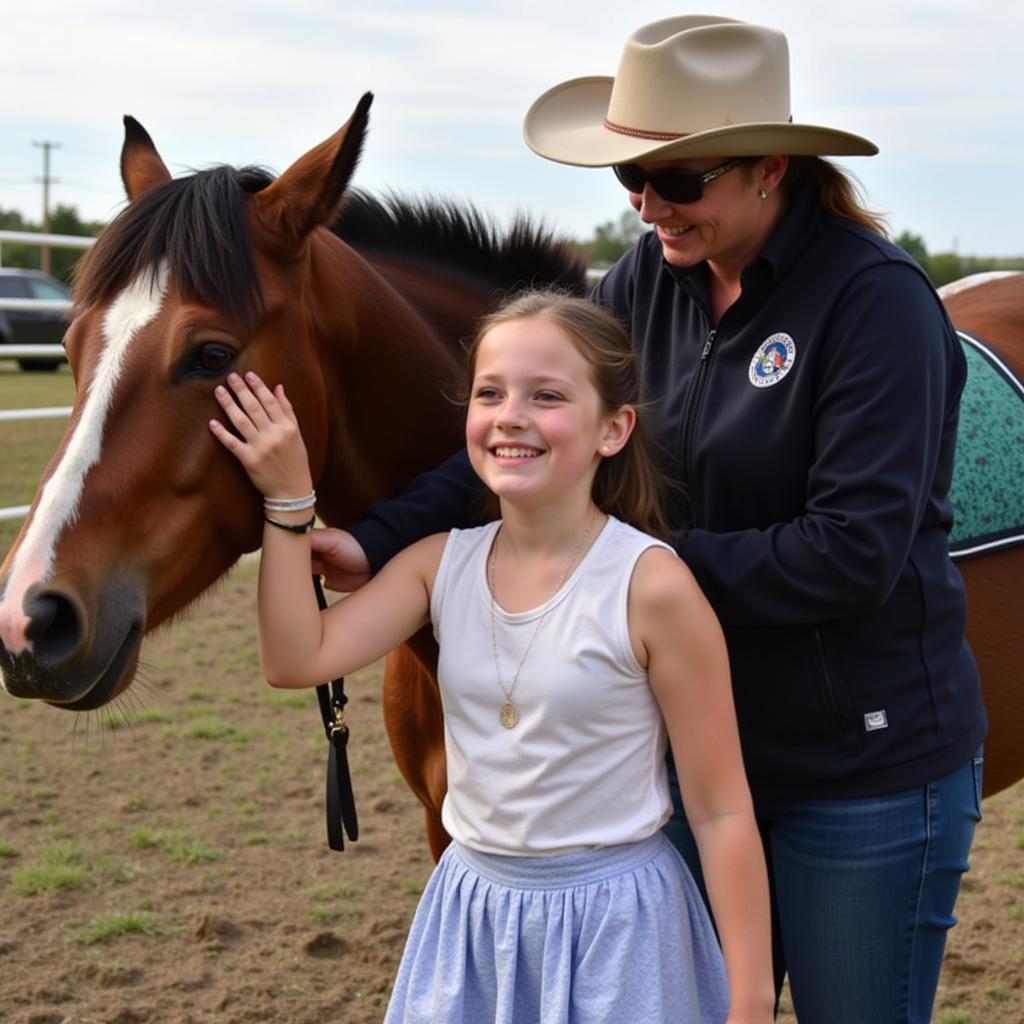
[340, 801]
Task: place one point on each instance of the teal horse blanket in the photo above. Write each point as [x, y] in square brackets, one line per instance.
[988, 475]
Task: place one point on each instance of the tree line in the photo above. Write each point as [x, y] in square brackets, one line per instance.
[615, 237]
[611, 239]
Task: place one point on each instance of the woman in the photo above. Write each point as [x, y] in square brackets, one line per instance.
[804, 382]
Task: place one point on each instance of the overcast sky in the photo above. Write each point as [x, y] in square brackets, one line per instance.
[937, 84]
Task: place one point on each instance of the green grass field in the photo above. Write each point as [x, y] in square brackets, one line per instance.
[26, 447]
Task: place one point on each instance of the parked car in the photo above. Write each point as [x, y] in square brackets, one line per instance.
[41, 327]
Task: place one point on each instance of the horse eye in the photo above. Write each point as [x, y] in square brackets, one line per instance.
[214, 358]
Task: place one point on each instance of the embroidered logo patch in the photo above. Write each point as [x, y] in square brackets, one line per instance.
[875, 720]
[772, 361]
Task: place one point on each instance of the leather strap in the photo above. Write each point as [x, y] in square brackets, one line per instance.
[340, 802]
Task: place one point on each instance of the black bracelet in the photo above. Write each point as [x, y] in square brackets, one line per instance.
[305, 527]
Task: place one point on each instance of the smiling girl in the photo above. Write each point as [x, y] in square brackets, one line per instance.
[573, 646]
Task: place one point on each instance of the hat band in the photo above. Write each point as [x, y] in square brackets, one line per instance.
[638, 133]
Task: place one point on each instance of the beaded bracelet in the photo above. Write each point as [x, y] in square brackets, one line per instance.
[305, 527]
[289, 504]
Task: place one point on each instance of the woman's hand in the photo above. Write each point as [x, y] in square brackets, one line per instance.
[268, 443]
[338, 557]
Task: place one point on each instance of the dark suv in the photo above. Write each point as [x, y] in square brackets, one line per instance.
[41, 327]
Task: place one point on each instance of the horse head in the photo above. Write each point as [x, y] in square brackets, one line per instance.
[140, 509]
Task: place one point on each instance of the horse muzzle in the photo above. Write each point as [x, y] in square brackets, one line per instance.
[72, 655]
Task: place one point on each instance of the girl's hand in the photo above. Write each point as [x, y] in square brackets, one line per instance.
[269, 444]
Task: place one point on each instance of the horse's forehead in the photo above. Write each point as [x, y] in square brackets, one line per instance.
[136, 306]
[59, 499]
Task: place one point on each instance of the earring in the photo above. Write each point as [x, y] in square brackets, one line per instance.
[762, 193]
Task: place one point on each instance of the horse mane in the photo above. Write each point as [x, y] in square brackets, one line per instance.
[197, 224]
[459, 239]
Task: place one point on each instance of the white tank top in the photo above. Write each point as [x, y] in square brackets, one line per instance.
[585, 765]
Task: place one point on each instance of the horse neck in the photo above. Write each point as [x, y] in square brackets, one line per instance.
[389, 372]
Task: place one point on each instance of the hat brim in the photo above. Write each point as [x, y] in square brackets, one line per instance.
[567, 125]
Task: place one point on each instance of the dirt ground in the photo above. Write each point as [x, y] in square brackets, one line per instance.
[166, 861]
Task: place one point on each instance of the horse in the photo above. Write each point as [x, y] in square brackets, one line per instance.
[141, 510]
[990, 307]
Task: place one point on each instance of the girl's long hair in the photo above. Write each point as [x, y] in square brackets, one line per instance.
[627, 485]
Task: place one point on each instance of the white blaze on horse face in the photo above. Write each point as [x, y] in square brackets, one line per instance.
[132, 310]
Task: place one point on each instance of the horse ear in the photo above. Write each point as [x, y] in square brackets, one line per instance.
[308, 194]
[141, 166]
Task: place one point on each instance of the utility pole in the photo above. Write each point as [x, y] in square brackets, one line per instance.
[46, 145]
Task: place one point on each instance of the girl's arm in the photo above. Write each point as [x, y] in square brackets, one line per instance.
[302, 646]
[677, 637]
[299, 646]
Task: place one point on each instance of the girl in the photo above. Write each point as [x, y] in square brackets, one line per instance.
[568, 640]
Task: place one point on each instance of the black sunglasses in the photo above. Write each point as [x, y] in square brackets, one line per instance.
[675, 186]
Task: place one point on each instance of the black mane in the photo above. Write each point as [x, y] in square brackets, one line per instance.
[198, 225]
[460, 239]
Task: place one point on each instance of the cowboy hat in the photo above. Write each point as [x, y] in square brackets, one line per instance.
[686, 86]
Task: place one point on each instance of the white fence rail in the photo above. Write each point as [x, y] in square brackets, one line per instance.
[51, 412]
[20, 351]
[14, 512]
[36, 305]
[34, 238]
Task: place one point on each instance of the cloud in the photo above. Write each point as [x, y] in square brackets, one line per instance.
[935, 83]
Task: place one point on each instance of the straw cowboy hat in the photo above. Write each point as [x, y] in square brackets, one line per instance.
[686, 86]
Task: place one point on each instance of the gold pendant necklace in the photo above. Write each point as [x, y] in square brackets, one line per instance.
[509, 715]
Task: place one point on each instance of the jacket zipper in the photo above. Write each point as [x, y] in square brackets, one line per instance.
[831, 688]
[687, 438]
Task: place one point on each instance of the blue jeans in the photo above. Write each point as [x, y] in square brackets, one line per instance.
[862, 895]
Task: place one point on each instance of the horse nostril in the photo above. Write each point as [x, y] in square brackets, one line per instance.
[55, 627]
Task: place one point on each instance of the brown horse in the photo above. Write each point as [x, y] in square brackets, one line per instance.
[141, 510]
[991, 307]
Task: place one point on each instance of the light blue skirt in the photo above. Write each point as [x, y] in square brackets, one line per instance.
[610, 935]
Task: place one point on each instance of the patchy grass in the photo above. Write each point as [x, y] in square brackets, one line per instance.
[59, 865]
[144, 839]
[322, 915]
[31, 390]
[246, 806]
[210, 729]
[278, 699]
[182, 846]
[331, 893]
[115, 925]
[185, 847]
